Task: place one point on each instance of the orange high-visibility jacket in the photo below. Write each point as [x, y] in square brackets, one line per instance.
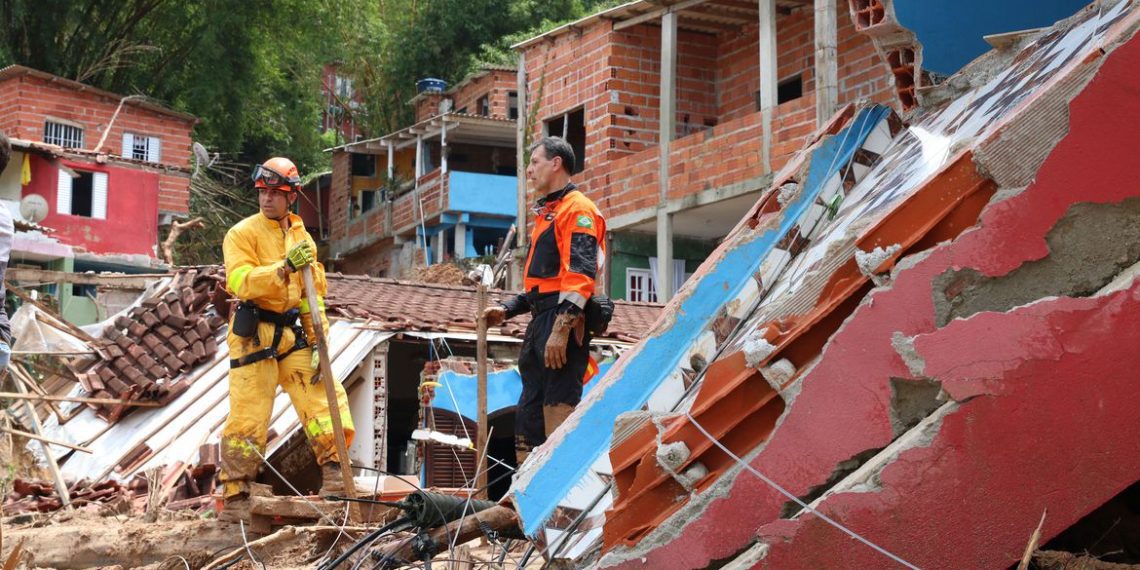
[567, 247]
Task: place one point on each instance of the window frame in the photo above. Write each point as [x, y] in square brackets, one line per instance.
[647, 292]
[58, 137]
[151, 150]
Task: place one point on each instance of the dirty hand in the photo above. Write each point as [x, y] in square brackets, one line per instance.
[300, 256]
[494, 316]
[555, 356]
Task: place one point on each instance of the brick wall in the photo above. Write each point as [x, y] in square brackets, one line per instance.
[339, 195]
[498, 84]
[615, 76]
[427, 105]
[27, 101]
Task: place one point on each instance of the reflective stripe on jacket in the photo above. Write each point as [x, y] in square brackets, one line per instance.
[254, 251]
[567, 247]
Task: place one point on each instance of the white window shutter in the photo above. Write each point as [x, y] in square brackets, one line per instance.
[99, 196]
[128, 145]
[63, 193]
[154, 149]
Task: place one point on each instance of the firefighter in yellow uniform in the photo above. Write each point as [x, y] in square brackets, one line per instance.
[264, 256]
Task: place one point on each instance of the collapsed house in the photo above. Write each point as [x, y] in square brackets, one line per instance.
[387, 339]
[921, 336]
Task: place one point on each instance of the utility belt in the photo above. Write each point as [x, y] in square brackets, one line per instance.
[541, 302]
[245, 323]
[598, 312]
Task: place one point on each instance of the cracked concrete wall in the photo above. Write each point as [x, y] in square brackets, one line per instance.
[845, 400]
[1089, 246]
[964, 498]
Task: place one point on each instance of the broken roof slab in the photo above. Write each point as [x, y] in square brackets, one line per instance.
[808, 298]
[561, 468]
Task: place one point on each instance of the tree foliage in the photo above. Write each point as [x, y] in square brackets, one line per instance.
[251, 71]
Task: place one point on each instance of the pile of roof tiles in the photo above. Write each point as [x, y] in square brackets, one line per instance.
[144, 353]
[40, 496]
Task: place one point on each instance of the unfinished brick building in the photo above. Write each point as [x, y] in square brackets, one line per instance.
[741, 90]
[443, 188]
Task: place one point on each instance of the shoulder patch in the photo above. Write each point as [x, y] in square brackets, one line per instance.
[585, 221]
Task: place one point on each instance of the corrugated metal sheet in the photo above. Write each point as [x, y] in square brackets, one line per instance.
[174, 432]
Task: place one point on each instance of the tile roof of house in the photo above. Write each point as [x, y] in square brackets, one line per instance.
[403, 305]
[146, 352]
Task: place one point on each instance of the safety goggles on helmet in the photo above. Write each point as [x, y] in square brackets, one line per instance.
[265, 176]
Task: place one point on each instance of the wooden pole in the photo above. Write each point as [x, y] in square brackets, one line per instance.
[49, 398]
[41, 438]
[327, 378]
[481, 371]
[60, 486]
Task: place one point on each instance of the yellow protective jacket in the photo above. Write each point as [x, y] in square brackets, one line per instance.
[254, 251]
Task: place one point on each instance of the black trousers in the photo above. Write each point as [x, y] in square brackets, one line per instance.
[543, 386]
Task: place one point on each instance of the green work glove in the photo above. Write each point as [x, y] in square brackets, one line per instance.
[315, 364]
[300, 256]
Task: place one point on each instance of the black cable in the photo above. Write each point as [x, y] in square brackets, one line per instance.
[364, 542]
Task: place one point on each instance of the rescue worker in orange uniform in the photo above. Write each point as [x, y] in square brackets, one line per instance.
[264, 256]
[567, 247]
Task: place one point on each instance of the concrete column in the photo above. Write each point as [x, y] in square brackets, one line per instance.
[826, 67]
[443, 148]
[438, 246]
[768, 79]
[391, 163]
[667, 124]
[461, 241]
[419, 158]
[520, 161]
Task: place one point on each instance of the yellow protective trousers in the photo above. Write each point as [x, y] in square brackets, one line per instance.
[252, 390]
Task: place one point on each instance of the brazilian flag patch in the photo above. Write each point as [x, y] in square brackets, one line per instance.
[585, 221]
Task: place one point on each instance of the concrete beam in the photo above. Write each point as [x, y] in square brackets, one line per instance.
[667, 126]
[768, 80]
[826, 67]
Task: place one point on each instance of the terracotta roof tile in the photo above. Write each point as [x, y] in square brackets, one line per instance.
[406, 305]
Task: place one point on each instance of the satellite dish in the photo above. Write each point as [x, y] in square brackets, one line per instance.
[33, 208]
[201, 154]
[202, 157]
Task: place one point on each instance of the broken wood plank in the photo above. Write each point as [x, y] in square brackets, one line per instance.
[113, 280]
[50, 398]
[41, 438]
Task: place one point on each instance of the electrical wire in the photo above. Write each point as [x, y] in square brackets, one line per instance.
[364, 542]
[796, 499]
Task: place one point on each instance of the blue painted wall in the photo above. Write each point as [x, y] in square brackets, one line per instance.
[951, 30]
[503, 390]
[483, 193]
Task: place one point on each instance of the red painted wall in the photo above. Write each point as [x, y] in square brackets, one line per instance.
[131, 226]
[26, 101]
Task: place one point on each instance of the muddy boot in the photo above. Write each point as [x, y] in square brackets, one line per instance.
[235, 509]
[553, 416]
[332, 483]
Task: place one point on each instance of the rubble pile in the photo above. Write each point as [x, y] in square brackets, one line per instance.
[40, 496]
[144, 352]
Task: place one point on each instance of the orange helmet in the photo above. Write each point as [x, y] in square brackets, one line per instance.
[277, 173]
